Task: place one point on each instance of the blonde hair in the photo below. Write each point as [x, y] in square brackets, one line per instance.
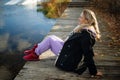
[92, 21]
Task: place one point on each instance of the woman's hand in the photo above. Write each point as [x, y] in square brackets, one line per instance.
[98, 75]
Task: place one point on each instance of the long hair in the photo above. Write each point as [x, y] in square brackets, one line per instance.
[92, 21]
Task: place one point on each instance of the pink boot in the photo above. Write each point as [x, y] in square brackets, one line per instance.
[31, 57]
[31, 50]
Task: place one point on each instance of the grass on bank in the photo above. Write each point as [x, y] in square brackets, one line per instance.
[53, 8]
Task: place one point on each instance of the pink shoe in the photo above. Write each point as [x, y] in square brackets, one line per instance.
[31, 50]
[31, 57]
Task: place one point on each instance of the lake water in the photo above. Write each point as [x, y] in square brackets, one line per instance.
[21, 26]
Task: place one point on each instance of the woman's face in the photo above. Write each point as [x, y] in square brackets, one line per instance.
[81, 19]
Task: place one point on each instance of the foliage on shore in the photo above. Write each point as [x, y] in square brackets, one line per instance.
[53, 8]
[109, 11]
[111, 7]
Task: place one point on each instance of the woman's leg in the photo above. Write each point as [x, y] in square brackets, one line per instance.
[51, 42]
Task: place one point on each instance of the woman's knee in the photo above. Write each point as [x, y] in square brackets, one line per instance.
[53, 38]
[50, 37]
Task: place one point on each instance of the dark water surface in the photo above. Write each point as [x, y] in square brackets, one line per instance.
[21, 26]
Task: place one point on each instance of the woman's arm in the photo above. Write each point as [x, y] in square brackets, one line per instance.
[88, 53]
